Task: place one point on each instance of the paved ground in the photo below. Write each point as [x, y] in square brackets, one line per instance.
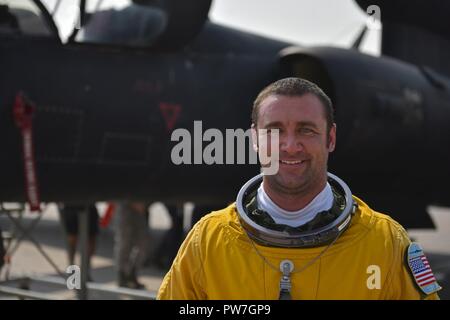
[28, 262]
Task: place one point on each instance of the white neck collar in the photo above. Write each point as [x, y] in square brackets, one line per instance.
[322, 202]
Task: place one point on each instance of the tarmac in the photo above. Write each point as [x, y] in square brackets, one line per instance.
[28, 262]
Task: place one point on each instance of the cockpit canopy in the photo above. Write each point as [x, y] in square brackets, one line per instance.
[142, 23]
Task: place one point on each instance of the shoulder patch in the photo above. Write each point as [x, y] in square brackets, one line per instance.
[421, 270]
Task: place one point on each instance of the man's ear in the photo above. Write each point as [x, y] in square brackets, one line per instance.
[332, 138]
[254, 131]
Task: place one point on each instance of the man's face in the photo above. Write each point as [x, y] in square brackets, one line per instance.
[304, 142]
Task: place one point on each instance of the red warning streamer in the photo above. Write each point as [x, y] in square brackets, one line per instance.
[23, 111]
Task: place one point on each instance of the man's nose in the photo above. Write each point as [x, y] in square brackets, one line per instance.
[290, 144]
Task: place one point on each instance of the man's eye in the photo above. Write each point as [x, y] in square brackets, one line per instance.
[306, 131]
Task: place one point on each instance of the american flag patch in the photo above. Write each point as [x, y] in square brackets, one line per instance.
[421, 270]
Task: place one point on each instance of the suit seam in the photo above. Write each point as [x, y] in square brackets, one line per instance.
[318, 278]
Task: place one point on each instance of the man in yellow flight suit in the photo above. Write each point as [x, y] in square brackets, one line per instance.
[298, 233]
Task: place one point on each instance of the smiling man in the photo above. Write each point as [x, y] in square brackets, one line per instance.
[306, 135]
[298, 233]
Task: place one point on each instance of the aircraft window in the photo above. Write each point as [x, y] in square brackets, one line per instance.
[129, 23]
[22, 17]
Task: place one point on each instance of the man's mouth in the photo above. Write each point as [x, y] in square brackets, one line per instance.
[292, 162]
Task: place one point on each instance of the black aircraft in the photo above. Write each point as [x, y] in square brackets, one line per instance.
[91, 119]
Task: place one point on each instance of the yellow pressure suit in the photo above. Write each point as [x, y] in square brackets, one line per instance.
[218, 261]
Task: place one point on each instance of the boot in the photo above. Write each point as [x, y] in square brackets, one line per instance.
[133, 278]
[129, 281]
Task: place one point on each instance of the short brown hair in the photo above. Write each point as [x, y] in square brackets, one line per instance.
[294, 87]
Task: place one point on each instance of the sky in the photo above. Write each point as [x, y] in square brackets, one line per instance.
[304, 22]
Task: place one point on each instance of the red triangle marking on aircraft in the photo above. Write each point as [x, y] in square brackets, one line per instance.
[170, 113]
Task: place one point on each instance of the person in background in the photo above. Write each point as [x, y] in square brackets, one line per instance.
[69, 214]
[131, 241]
[171, 240]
